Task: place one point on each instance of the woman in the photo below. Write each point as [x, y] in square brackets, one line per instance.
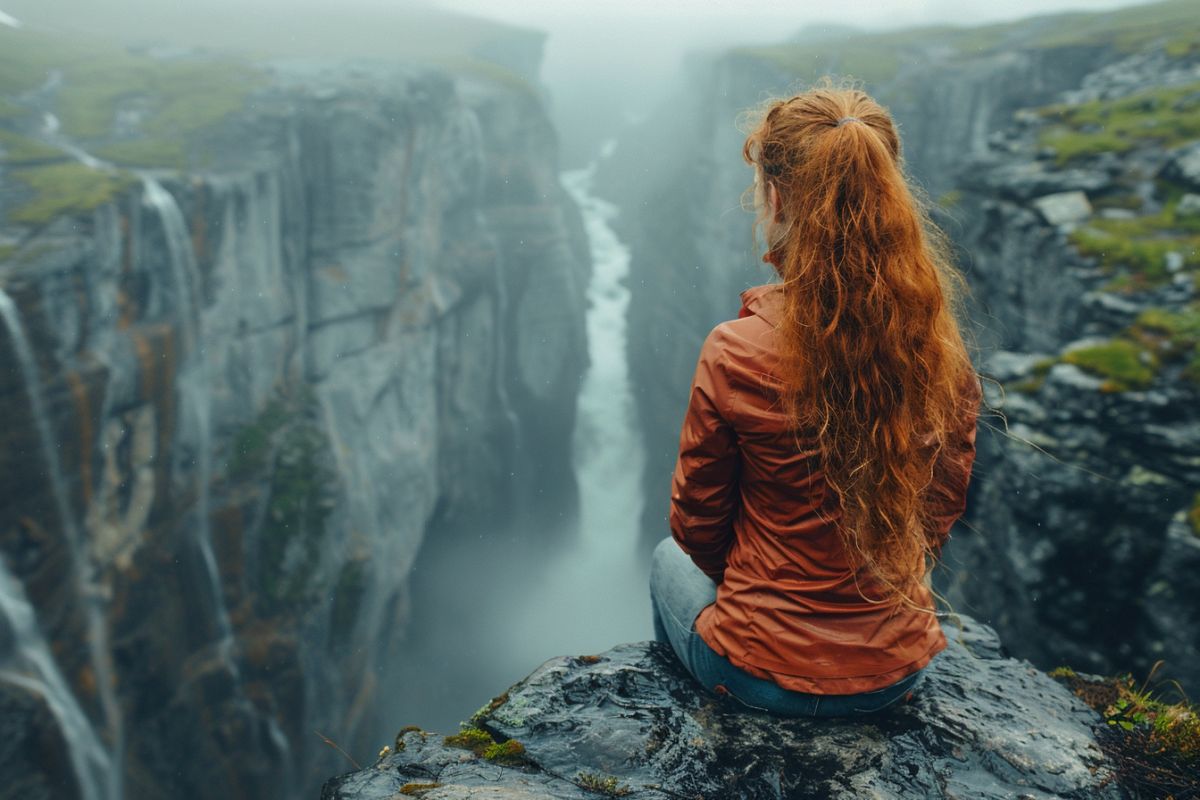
[829, 436]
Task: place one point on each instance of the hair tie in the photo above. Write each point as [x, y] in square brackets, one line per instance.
[844, 120]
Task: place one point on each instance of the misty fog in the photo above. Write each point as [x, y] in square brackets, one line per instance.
[475, 605]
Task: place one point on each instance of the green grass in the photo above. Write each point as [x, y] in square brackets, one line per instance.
[19, 149]
[1123, 364]
[169, 154]
[1165, 117]
[180, 96]
[878, 57]
[10, 110]
[1138, 247]
[65, 189]
[1153, 744]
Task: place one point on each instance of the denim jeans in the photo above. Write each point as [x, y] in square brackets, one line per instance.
[678, 593]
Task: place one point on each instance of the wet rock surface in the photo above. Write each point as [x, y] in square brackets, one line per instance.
[630, 722]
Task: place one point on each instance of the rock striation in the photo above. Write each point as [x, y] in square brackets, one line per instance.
[631, 723]
[239, 392]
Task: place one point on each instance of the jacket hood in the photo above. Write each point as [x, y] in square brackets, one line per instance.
[763, 301]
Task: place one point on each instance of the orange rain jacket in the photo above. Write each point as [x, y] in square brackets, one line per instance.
[752, 512]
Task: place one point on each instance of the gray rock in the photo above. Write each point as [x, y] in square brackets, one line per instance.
[1189, 205]
[1064, 208]
[982, 726]
[1184, 165]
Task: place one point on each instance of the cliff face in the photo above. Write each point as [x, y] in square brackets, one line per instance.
[631, 723]
[239, 392]
[1122, 482]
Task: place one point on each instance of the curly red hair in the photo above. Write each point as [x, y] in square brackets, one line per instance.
[874, 364]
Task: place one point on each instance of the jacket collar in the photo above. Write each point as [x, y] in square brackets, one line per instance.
[764, 301]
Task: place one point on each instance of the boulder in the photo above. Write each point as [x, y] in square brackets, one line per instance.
[631, 723]
[1064, 208]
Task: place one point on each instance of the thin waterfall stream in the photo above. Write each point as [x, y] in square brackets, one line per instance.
[94, 770]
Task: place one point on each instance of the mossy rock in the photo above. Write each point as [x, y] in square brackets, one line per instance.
[67, 188]
[1123, 364]
[1194, 515]
[19, 149]
[1164, 117]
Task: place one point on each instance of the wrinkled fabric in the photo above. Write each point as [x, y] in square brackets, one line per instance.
[749, 505]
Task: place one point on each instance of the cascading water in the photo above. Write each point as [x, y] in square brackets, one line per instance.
[106, 783]
[194, 390]
[32, 667]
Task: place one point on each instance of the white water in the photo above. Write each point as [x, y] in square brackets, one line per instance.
[196, 403]
[76, 727]
[594, 594]
[194, 390]
[32, 667]
[10, 21]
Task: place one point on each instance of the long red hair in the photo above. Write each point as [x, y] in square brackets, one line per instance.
[874, 365]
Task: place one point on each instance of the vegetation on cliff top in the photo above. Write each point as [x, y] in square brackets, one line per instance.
[1154, 744]
[1164, 116]
[878, 57]
[66, 188]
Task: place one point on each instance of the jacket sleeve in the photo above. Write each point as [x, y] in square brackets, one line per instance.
[946, 495]
[704, 491]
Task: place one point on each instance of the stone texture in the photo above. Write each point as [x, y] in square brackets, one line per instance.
[983, 726]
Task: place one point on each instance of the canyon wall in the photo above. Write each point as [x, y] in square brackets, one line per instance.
[240, 391]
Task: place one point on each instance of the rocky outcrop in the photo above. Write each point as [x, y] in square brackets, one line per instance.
[631, 723]
[1079, 548]
[239, 395]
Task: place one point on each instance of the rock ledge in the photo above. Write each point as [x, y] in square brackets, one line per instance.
[631, 723]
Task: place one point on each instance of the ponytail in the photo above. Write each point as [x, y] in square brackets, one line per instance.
[874, 366]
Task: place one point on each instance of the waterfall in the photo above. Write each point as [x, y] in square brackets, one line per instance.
[15, 605]
[39, 675]
[194, 390]
[195, 393]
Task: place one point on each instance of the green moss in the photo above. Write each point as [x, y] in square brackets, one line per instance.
[417, 789]
[485, 713]
[23, 150]
[1122, 363]
[1194, 515]
[509, 753]
[66, 188]
[1137, 247]
[286, 448]
[252, 443]
[470, 738]
[6, 251]
[145, 153]
[1154, 744]
[10, 110]
[602, 784]
[1166, 117]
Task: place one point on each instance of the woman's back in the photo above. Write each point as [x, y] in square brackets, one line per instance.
[751, 506]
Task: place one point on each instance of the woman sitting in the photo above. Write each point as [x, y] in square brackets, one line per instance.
[829, 436]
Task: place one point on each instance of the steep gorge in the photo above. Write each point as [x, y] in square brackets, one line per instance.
[243, 383]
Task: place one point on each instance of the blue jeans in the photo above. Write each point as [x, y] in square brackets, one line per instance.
[678, 593]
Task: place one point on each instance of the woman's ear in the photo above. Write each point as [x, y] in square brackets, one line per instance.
[774, 202]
